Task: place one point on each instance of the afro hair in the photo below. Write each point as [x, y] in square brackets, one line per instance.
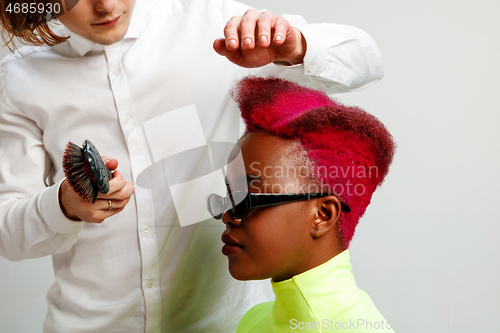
[350, 149]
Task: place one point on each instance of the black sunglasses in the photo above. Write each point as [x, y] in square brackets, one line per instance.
[246, 201]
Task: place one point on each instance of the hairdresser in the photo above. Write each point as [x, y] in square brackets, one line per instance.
[113, 71]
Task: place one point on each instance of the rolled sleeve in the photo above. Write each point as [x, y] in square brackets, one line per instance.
[345, 56]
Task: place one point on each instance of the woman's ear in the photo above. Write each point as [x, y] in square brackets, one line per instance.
[326, 214]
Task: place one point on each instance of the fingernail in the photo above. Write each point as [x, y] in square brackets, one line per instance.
[247, 41]
[232, 43]
[106, 161]
[278, 38]
[263, 39]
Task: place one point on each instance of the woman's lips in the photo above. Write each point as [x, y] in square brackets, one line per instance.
[231, 246]
[228, 250]
[108, 23]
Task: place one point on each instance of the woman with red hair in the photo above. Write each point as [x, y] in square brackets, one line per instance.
[312, 165]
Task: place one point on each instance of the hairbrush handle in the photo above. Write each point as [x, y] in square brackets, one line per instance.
[101, 173]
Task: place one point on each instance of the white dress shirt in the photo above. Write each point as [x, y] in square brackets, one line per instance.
[140, 271]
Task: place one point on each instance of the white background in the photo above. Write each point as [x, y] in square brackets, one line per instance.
[426, 250]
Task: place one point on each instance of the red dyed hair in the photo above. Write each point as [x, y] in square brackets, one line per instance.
[346, 144]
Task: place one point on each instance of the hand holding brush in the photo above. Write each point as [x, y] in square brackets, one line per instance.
[91, 192]
[85, 170]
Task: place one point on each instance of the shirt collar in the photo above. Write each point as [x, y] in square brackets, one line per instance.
[309, 294]
[137, 26]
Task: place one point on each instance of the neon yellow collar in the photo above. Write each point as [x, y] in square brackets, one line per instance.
[322, 299]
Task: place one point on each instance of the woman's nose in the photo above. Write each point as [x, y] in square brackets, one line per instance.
[229, 220]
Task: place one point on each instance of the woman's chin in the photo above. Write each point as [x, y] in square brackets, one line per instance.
[244, 275]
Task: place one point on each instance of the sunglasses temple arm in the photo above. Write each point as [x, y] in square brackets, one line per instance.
[262, 200]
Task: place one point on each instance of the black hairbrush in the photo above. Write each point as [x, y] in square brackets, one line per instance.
[85, 171]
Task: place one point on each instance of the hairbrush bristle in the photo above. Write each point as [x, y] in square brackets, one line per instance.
[78, 173]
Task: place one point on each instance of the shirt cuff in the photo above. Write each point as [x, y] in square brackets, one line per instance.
[48, 205]
[315, 57]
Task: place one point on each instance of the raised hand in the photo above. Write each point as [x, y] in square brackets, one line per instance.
[259, 38]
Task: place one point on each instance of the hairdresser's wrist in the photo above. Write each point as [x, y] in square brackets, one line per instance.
[64, 192]
[295, 57]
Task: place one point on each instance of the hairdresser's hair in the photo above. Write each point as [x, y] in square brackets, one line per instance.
[28, 28]
[346, 144]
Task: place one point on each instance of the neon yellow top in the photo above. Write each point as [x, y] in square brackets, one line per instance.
[322, 299]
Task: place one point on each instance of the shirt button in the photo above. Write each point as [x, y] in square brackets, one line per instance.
[126, 120]
[310, 68]
[149, 284]
[145, 228]
[115, 71]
